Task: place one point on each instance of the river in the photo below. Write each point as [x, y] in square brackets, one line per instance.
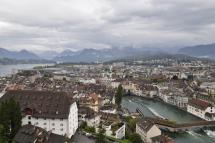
[152, 108]
[8, 69]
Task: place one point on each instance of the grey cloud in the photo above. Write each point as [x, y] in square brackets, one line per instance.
[77, 24]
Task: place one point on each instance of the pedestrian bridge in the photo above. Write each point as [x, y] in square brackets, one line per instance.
[173, 127]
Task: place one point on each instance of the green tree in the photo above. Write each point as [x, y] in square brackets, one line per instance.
[83, 125]
[119, 95]
[2, 135]
[135, 138]
[90, 129]
[132, 123]
[10, 118]
[100, 138]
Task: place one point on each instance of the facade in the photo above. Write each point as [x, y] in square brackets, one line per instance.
[209, 87]
[116, 130]
[201, 109]
[52, 111]
[61, 77]
[115, 84]
[147, 130]
[180, 101]
[86, 114]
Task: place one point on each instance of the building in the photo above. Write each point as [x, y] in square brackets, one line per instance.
[86, 114]
[115, 130]
[180, 101]
[147, 130]
[52, 111]
[201, 109]
[93, 101]
[33, 134]
[209, 87]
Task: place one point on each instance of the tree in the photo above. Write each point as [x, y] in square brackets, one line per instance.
[2, 135]
[10, 118]
[132, 123]
[90, 129]
[175, 77]
[135, 138]
[100, 138]
[119, 95]
[83, 125]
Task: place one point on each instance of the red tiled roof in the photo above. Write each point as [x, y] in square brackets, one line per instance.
[199, 103]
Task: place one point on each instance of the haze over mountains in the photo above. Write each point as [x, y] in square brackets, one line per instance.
[205, 51]
[102, 55]
[19, 55]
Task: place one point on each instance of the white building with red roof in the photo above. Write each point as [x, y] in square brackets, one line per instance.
[202, 109]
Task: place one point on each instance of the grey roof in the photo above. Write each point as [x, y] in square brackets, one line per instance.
[33, 134]
[145, 125]
[41, 104]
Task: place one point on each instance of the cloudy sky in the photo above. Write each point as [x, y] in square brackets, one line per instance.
[44, 25]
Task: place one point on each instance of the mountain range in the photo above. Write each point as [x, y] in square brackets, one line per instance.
[203, 51]
[18, 55]
[103, 55]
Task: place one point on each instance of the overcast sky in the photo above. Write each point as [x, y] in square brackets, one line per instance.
[41, 25]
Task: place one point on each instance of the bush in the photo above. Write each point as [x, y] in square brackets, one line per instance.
[90, 129]
[135, 138]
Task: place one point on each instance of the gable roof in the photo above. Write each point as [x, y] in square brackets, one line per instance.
[199, 104]
[33, 134]
[145, 125]
[41, 104]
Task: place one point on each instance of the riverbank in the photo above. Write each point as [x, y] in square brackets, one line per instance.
[171, 113]
[160, 100]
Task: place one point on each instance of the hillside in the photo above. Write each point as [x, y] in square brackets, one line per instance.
[18, 55]
[207, 51]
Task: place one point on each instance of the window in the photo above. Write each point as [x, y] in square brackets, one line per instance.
[53, 129]
[53, 124]
[29, 123]
[44, 123]
[61, 124]
[61, 129]
[29, 117]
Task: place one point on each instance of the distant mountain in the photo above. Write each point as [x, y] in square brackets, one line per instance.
[167, 57]
[48, 55]
[67, 53]
[205, 51]
[93, 55]
[20, 55]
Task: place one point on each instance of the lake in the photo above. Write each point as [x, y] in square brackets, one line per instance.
[9, 69]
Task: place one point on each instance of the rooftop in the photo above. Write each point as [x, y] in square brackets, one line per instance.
[44, 104]
[199, 103]
[32, 134]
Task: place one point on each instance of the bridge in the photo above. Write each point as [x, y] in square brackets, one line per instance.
[174, 127]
